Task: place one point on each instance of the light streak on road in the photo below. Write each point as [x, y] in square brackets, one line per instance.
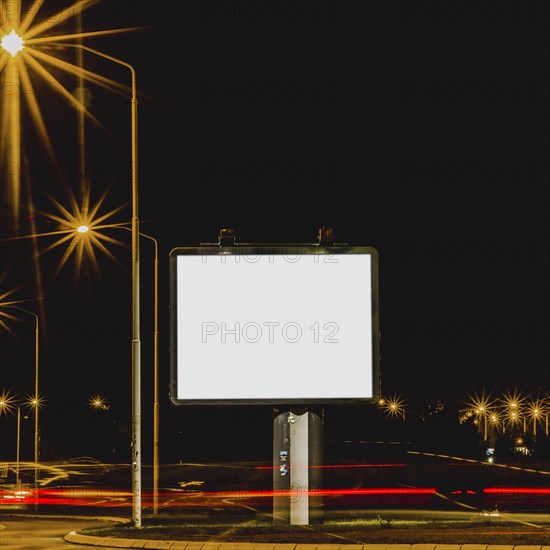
[482, 462]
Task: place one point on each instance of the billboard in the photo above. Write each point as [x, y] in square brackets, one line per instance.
[273, 324]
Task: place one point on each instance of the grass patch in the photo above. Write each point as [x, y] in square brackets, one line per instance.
[342, 532]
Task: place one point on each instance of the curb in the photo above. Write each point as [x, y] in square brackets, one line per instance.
[77, 538]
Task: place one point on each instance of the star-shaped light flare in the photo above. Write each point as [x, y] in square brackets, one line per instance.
[32, 54]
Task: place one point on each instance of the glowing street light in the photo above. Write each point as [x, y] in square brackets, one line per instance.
[481, 411]
[494, 419]
[513, 418]
[80, 226]
[12, 43]
[11, 121]
[536, 413]
[512, 405]
[97, 402]
[7, 403]
[393, 406]
[21, 61]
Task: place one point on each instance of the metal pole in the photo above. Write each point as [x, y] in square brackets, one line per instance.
[156, 408]
[136, 344]
[155, 387]
[18, 441]
[155, 378]
[36, 405]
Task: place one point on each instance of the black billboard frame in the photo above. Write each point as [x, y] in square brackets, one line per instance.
[227, 245]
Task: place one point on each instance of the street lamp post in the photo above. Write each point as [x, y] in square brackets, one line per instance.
[155, 382]
[482, 415]
[18, 442]
[84, 229]
[18, 445]
[35, 402]
[535, 413]
[6, 404]
[13, 45]
[155, 392]
[136, 344]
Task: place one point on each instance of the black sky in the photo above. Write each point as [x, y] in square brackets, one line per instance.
[418, 128]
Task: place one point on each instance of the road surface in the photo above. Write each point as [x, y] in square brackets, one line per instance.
[42, 533]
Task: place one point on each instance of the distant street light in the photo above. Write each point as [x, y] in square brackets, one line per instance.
[393, 406]
[494, 419]
[514, 418]
[97, 402]
[480, 406]
[7, 403]
[512, 406]
[535, 411]
[482, 412]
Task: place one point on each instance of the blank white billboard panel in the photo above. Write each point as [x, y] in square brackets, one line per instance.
[292, 325]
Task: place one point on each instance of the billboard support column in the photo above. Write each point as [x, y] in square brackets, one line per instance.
[297, 467]
[281, 467]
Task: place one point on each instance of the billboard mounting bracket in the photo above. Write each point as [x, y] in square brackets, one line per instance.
[326, 236]
[226, 237]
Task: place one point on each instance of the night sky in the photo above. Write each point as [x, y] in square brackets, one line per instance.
[418, 128]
